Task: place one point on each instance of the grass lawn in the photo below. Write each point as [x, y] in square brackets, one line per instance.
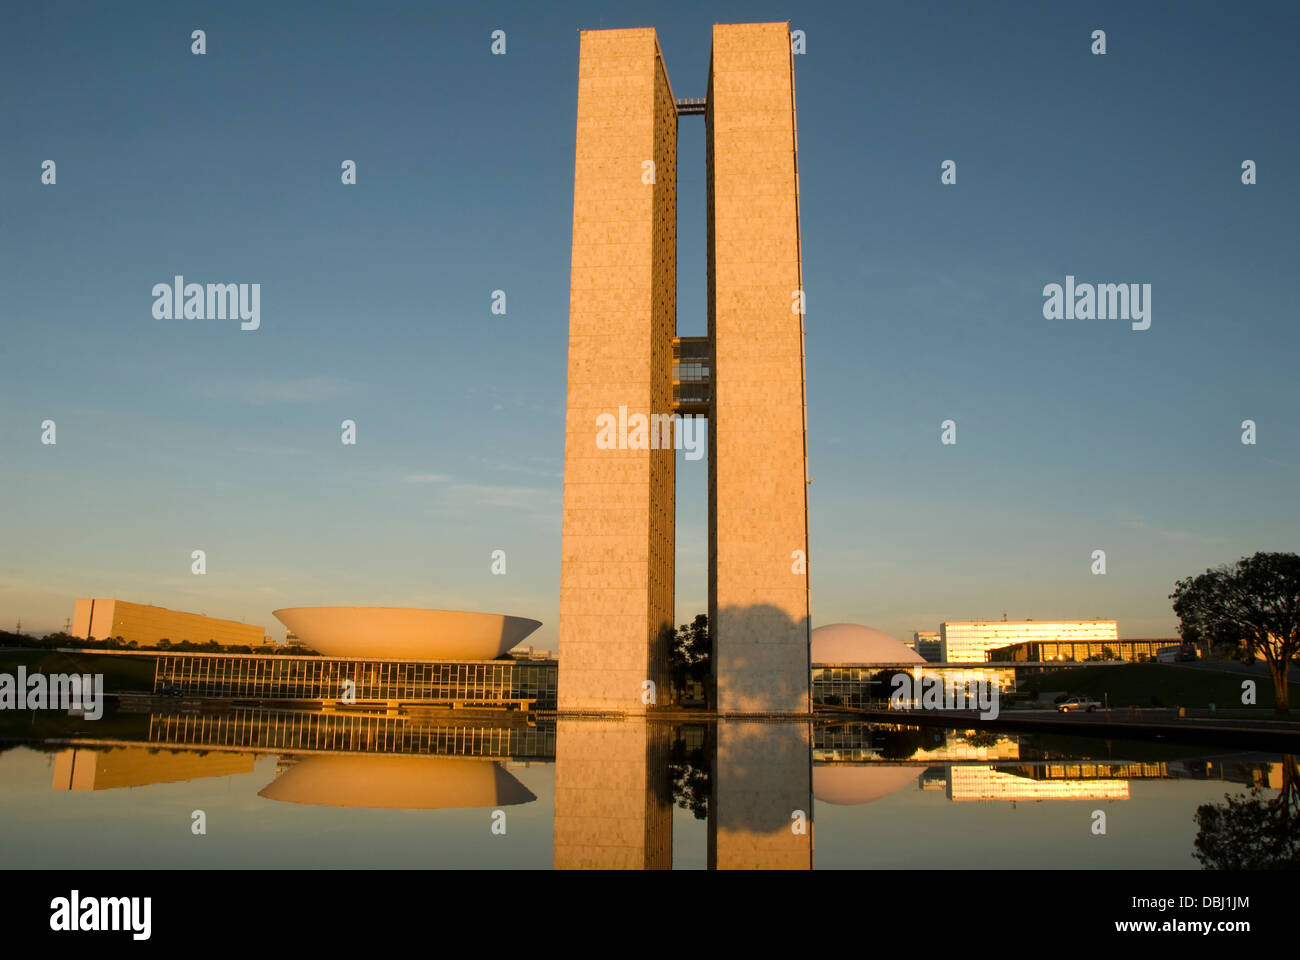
[121, 674]
[1153, 685]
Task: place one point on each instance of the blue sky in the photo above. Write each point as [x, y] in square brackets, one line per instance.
[924, 303]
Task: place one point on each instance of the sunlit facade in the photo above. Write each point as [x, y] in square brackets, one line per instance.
[928, 645]
[969, 641]
[508, 684]
[972, 782]
[627, 363]
[859, 686]
[101, 619]
[1078, 650]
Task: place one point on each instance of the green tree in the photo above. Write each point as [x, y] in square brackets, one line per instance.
[690, 655]
[1256, 599]
[690, 773]
[1250, 832]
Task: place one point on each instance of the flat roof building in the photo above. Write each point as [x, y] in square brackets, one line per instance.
[928, 645]
[969, 641]
[1039, 651]
[100, 619]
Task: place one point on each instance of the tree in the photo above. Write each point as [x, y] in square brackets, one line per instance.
[690, 773]
[1251, 833]
[1256, 600]
[690, 657]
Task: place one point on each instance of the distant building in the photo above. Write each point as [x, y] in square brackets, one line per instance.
[928, 644]
[1078, 651]
[852, 666]
[969, 641]
[526, 652]
[980, 782]
[78, 768]
[101, 619]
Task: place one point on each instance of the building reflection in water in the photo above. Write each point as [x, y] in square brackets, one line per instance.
[857, 783]
[861, 762]
[613, 797]
[616, 780]
[395, 782]
[109, 768]
[613, 805]
[761, 810]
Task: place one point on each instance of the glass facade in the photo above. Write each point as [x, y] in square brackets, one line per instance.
[691, 375]
[288, 730]
[866, 686]
[528, 684]
[969, 641]
[1077, 651]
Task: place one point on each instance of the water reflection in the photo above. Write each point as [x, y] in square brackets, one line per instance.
[761, 814]
[110, 768]
[1257, 831]
[850, 785]
[748, 793]
[613, 809]
[395, 783]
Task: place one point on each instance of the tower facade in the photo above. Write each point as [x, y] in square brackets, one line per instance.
[616, 572]
[616, 587]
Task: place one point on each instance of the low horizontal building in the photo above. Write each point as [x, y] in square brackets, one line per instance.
[969, 641]
[98, 619]
[1044, 651]
[326, 680]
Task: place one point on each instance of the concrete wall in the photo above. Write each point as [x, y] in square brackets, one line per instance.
[81, 618]
[616, 575]
[146, 624]
[758, 516]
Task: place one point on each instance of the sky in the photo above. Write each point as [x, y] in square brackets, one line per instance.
[924, 303]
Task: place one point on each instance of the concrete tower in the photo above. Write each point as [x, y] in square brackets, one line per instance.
[616, 582]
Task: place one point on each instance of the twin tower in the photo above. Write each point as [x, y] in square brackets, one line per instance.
[631, 377]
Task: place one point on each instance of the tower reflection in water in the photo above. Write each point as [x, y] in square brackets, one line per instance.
[617, 781]
[613, 796]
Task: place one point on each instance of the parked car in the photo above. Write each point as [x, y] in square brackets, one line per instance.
[171, 690]
[1077, 703]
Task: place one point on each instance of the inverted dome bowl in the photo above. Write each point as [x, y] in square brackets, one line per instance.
[407, 633]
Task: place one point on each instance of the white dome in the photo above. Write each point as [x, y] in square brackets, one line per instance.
[853, 643]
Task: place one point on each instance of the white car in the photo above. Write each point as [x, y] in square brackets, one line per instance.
[1077, 703]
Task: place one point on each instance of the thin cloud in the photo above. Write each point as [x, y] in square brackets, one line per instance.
[260, 393]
